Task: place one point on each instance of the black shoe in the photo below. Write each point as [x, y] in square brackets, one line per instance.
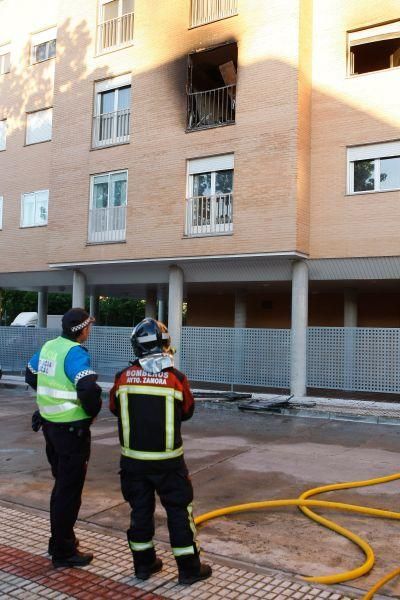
[145, 571]
[79, 559]
[190, 577]
[50, 548]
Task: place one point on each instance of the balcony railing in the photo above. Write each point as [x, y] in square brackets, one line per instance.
[206, 11]
[107, 224]
[111, 128]
[209, 215]
[115, 33]
[211, 108]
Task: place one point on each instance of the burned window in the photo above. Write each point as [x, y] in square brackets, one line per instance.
[212, 87]
[374, 49]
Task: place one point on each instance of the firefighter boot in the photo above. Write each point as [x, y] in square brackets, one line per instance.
[191, 569]
[146, 563]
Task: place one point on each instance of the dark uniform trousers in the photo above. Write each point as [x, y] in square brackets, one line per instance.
[175, 491]
[68, 451]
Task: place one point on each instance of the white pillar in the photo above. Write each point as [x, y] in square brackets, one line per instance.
[240, 310]
[78, 290]
[94, 306]
[161, 310]
[298, 371]
[175, 300]
[150, 308]
[350, 308]
[42, 306]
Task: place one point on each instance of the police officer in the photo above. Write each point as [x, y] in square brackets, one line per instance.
[68, 398]
[151, 398]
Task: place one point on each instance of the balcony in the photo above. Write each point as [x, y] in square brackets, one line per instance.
[110, 129]
[107, 224]
[209, 215]
[115, 33]
[206, 11]
[211, 108]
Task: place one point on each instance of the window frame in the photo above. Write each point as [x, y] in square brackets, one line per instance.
[34, 112]
[35, 224]
[43, 39]
[5, 135]
[109, 174]
[375, 153]
[392, 32]
[5, 50]
[1, 212]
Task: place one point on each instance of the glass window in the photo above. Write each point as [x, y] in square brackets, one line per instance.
[110, 190]
[3, 134]
[390, 173]
[39, 126]
[100, 191]
[34, 207]
[5, 62]
[364, 178]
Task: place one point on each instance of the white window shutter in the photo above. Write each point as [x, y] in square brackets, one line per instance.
[44, 36]
[3, 134]
[38, 126]
[211, 163]
[372, 151]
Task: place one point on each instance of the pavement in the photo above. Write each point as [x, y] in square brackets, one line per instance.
[233, 457]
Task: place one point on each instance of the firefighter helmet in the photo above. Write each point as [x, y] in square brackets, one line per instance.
[150, 337]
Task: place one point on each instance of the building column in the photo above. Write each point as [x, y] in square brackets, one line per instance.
[350, 308]
[298, 362]
[150, 308]
[42, 307]
[94, 305]
[161, 310]
[240, 310]
[78, 289]
[175, 300]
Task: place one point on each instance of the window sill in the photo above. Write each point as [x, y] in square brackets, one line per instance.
[356, 75]
[116, 49]
[369, 192]
[205, 127]
[109, 146]
[36, 143]
[39, 62]
[32, 226]
[207, 235]
[105, 243]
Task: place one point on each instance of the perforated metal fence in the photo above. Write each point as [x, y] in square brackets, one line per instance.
[356, 359]
[237, 356]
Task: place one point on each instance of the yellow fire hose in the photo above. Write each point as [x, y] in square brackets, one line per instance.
[305, 506]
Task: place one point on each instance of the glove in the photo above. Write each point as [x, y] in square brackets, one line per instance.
[37, 421]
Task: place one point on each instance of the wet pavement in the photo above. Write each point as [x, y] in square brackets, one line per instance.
[233, 458]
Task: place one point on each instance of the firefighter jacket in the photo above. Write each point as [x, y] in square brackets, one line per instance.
[150, 408]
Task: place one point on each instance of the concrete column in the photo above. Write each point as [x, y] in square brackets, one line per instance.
[240, 310]
[175, 300]
[78, 290]
[94, 306]
[42, 307]
[350, 308]
[161, 310]
[298, 363]
[150, 308]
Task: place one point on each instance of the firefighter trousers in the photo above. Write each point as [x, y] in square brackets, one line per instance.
[175, 491]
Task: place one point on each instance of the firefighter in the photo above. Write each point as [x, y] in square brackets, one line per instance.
[151, 398]
[68, 398]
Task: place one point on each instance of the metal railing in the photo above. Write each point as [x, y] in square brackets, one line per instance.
[111, 128]
[107, 224]
[209, 215]
[115, 33]
[206, 11]
[211, 108]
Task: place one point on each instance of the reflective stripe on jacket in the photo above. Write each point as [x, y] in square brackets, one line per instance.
[56, 394]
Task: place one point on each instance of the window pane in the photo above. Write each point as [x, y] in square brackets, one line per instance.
[110, 10]
[124, 97]
[100, 192]
[38, 126]
[202, 184]
[390, 173]
[28, 210]
[224, 182]
[118, 183]
[41, 52]
[107, 102]
[41, 208]
[3, 133]
[52, 48]
[364, 175]
[127, 6]
[1, 212]
[5, 60]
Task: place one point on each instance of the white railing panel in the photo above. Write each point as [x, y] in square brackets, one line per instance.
[206, 11]
[209, 215]
[107, 224]
[111, 128]
[211, 108]
[115, 33]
